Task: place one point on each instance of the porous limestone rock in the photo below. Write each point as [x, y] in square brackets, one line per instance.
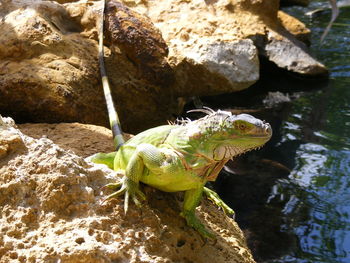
[210, 67]
[52, 210]
[278, 50]
[223, 29]
[48, 56]
[49, 68]
[48, 71]
[135, 36]
[295, 27]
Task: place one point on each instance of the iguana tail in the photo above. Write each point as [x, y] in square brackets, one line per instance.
[112, 113]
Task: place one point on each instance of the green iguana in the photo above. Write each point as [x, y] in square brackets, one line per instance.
[180, 157]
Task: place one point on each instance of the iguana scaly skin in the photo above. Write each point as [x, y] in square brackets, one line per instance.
[180, 157]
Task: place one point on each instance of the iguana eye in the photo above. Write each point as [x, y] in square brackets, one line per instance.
[242, 126]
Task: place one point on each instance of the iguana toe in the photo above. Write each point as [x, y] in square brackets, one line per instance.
[114, 186]
[130, 189]
[133, 193]
[214, 197]
[115, 194]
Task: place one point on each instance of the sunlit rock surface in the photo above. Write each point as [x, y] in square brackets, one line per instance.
[210, 47]
[156, 52]
[52, 211]
[49, 68]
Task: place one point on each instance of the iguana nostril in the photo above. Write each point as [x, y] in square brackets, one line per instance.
[268, 129]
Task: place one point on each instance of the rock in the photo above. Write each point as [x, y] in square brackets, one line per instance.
[44, 64]
[273, 99]
[140, 41]
[206, 48]
[295, 27]
[216, 67]
[49, 66]
[87, 139]
[48, 56]
[291, 54]
[10, 141]
[201, 33]
[51, 211]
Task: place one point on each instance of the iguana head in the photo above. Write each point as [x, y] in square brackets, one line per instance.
[223, 135]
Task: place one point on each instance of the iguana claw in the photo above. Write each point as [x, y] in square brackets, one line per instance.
[130, 189]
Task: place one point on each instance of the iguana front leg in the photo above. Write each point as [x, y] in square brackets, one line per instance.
[129, 186]
[145, 156]
[191, 201]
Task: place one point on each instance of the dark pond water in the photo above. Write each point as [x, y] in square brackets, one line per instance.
[317, 129]
[292, 198]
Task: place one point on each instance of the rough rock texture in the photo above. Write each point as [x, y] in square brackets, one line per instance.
[48, 56]
[142, 43]
[47, 74]
[205, 37]
[295, 27]
[48, 66]
[51, 211]
[86, 140]
[214, 67]
[83, 139]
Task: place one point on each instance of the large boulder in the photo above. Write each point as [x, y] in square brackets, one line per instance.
[52, 210]
[214, 45]
[49, 67]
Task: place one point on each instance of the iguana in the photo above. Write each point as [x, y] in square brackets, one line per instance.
[179, 157]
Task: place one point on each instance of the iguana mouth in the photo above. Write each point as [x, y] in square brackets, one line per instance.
[262, 132]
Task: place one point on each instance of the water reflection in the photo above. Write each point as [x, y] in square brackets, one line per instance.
[317, 193]
[310, 162]
[318, 207]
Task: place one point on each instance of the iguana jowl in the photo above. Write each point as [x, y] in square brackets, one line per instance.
[181, 156]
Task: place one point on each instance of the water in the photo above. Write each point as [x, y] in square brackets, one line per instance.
[317, 193]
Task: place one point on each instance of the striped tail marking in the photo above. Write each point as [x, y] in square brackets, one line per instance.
[114, 122]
